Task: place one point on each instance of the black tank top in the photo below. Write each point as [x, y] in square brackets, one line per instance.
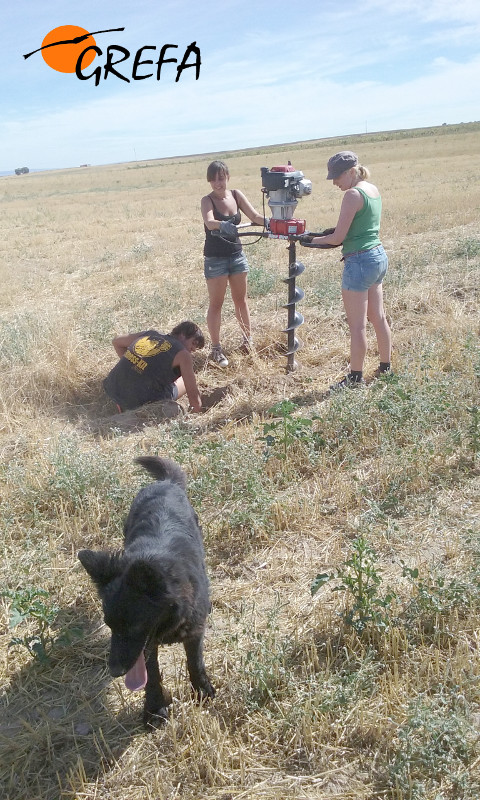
[214, 245]
[145, 373]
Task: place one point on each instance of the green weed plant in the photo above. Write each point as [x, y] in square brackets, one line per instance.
[34, 606]
[286, 430]
[371, 607]
[432, 751]
[360, 581]
[265, 659]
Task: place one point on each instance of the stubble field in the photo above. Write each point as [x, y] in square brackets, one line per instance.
[367, 686]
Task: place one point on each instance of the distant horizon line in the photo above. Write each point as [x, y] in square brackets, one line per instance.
[241, 150]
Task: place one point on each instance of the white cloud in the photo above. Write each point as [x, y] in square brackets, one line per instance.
[329, 70]
[181, 120]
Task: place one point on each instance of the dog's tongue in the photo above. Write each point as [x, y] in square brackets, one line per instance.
[136, 677]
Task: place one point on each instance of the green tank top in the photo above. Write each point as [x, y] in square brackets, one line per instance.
[363, 232]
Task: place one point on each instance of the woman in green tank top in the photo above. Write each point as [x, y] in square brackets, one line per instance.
[366, 262]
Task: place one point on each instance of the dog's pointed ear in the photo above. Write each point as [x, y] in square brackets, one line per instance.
[100, 565]
[144, 578]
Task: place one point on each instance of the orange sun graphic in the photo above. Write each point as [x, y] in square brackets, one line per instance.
[64, 57]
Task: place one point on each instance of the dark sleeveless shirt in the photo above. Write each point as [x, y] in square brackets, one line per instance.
[144, 373]
[214, 245]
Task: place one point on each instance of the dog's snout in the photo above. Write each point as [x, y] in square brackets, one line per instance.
[124, 653]
[116, 668]
[116, 671]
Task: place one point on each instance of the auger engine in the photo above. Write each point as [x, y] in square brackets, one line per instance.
[284, 186]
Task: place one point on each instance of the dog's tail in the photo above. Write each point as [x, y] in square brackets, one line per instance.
[163, 469]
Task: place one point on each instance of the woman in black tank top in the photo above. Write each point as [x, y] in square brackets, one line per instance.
[224, 260]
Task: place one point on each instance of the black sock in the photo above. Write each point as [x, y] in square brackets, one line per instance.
[356, 376]
[384, 366]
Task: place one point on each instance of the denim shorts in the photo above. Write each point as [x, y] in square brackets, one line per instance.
[217, 266]
[363, 270]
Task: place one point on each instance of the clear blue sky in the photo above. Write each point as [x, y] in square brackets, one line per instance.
[271, 72]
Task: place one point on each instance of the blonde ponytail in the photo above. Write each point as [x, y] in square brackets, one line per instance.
[362, 172]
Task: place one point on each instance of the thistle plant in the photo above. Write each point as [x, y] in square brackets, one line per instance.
[360, 580]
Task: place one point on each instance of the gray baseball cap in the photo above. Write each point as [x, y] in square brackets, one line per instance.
[340, 162]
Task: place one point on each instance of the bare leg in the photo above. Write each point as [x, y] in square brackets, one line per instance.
[238, 288]
[180, 387]
[356, 309]
[216, 293]
[376, 315]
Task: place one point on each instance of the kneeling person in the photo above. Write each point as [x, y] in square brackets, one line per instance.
[155, 366]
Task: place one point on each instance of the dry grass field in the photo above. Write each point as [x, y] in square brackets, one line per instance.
[368, 687]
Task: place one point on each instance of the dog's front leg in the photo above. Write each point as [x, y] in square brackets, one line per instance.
[157, 700]
[196, 667]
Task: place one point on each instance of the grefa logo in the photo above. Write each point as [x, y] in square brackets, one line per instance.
[70, 48]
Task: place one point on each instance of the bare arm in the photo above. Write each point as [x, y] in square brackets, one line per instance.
[122, 343]
[183, 359]
[351, 203]
[207, 214]
[245, 205]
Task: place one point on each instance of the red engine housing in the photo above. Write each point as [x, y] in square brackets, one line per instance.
[286, 227]
[284, 168]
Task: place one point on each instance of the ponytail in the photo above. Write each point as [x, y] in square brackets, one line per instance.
[362, 172]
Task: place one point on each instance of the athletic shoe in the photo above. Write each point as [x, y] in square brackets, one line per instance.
[378, 372]
[247, 345]
[346, 383]
[218, 357]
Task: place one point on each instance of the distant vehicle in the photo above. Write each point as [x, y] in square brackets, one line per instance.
[21, 171]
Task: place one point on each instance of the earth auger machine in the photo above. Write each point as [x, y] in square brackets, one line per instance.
[284, 186]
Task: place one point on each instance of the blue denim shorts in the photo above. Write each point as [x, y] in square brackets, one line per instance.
[217, 266]
[363, 270]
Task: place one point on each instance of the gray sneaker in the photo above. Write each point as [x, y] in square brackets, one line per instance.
[218, 357]
[247, 345]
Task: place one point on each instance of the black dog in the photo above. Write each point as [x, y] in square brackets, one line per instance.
[155, 591]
